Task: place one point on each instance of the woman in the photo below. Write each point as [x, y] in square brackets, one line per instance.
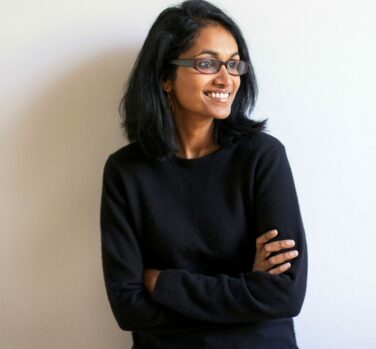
[192, 205]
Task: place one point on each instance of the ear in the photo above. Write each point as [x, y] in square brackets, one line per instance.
[167, 86]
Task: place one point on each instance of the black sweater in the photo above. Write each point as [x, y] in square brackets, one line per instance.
[197, 221]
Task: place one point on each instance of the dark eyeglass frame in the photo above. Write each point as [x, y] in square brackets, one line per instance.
[194, 63]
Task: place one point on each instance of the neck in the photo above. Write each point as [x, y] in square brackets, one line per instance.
[195, 139]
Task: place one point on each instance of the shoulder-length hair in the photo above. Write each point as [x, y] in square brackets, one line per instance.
[144, 108]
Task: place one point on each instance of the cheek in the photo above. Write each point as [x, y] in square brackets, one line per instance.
[189, 88]
[187, 80]
[237, 84]
[236, 88]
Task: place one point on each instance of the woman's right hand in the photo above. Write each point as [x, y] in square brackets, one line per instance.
[276, 264]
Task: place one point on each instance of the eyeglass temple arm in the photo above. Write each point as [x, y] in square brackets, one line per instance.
[183, 62]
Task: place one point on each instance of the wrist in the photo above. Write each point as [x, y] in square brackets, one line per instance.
[154, 280]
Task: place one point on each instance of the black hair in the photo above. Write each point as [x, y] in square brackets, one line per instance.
[144, 109]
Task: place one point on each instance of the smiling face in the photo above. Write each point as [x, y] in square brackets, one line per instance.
[198, 95]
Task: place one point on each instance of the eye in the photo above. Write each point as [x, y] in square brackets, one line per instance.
[232, 64]
[206, 63]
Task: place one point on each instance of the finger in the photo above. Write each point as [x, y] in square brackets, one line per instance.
[278, 245]
[280, 269]
[264, 238]
[282, 257]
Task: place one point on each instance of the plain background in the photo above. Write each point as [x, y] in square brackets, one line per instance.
[63, 68]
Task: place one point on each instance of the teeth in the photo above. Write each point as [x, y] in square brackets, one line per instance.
[218, 95]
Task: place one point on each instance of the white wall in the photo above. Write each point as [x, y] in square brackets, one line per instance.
[63, 65]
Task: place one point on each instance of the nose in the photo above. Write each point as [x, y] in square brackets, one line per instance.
[222, 78]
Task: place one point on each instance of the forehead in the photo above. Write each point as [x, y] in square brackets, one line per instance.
[213, 37]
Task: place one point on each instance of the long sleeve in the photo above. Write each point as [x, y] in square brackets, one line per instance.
[123, 267]
[249, 296]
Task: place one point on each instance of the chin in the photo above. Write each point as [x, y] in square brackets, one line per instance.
[220, 117]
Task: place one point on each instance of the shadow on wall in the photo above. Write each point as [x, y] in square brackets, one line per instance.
[55, 153]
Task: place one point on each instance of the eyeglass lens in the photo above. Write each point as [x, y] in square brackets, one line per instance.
[234, 67]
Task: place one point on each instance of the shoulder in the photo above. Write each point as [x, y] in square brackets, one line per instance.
[127, 152]
[125, 158]
[261, 143]
[266, 155]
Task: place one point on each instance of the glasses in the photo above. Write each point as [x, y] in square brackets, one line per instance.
[212, 65]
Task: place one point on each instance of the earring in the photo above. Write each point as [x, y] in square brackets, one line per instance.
[170, 103]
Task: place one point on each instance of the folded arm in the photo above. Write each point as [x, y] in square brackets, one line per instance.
[250, 296]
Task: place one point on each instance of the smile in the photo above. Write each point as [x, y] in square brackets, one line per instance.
[219, 96]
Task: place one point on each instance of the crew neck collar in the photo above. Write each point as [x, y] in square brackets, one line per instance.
[200, 157]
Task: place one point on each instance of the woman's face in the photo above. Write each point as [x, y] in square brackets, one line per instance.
[191, 90]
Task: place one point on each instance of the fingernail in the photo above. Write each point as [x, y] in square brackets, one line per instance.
[294, 253]
[290, 242]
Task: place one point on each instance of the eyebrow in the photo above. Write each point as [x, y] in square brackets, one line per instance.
[214, 53]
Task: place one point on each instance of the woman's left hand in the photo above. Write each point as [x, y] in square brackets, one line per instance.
[150, 279]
